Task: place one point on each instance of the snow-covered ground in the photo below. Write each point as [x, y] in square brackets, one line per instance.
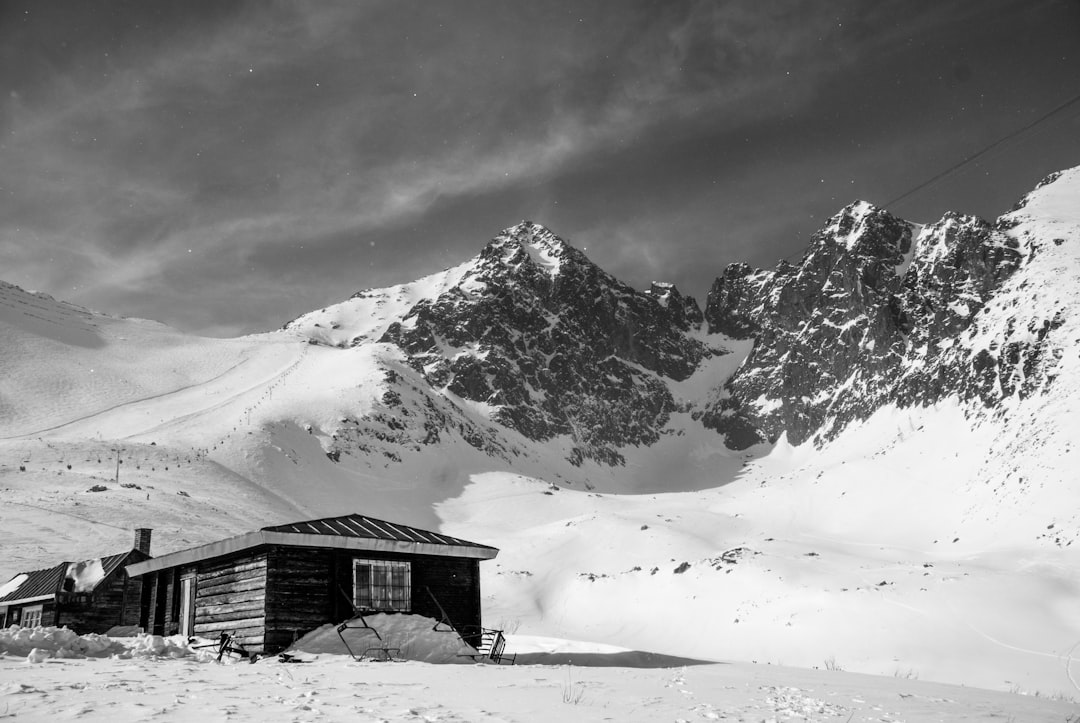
[878, 563]
[133, 683]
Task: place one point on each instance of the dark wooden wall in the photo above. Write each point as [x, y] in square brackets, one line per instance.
[48, 613]
[455, 583]
[300, 591]
[270, 596]
[308, 587]
[230, 597]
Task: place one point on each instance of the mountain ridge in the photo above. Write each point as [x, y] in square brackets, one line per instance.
[531, 339]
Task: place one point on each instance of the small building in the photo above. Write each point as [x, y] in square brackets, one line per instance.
[89, 596]
[273, 585]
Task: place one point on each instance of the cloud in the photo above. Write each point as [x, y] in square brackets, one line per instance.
[245, 132]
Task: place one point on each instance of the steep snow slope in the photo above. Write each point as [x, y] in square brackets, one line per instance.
[62, 363]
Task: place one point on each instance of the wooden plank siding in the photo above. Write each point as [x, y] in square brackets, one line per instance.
[301, 588]
[307, 587]
[230, 597]
[455, 583]
[48, 612]
[269, 596]
[115, 601]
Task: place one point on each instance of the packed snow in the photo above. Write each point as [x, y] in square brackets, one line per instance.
[402, 637]
[50, 674]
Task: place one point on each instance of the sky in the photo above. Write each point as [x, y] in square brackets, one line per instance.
[226, 166]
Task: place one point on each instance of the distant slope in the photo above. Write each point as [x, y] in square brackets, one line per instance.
[61, 363]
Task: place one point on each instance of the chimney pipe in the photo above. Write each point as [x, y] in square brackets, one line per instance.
[142, 539]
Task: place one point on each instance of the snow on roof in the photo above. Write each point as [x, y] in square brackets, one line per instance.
[34, 584]
[85, 576]
[13, 584]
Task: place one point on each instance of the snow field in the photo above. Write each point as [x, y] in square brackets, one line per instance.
[885, 559]
[334, 688]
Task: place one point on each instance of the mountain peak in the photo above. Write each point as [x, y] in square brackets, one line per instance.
[855, 223]
[535, 243]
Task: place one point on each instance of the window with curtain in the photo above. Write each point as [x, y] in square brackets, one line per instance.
[382, 585]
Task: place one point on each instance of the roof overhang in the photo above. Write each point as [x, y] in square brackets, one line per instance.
[25, 600]
[294, 539]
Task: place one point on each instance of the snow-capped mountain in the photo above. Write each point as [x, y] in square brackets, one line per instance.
[535, 338]
[540, 340]
[903, 401]
[879, 311]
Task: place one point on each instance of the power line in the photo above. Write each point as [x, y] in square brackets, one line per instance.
[984, 151]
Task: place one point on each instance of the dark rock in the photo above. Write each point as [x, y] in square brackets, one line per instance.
[554, 345]
[863, 320]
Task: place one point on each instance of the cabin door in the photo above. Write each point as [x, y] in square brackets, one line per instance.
[187, 606]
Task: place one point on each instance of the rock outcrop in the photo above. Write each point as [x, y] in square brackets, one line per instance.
[549, 344]
[533, 337]
[875, 313]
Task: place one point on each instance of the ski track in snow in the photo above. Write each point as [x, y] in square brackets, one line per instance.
[59, 428]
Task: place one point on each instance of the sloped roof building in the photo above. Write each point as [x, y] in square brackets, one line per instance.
[88, 596]
[270, 586]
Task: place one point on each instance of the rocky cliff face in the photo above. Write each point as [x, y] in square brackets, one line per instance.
[878, 311]
[532, 337]
[548, 344]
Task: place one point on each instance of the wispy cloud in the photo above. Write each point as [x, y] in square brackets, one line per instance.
[229, 139]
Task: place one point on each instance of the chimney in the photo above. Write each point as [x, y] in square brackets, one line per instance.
[142, 539]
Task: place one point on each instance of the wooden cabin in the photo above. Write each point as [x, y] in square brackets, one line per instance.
[88, 596]
[271, 586]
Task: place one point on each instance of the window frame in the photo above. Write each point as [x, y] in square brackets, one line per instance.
[37, 611]
[387, 587]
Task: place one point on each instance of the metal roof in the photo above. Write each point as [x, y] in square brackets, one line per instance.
[368, 527]
[111, 562]
[38, 584]
[44, 584]
[350, 532]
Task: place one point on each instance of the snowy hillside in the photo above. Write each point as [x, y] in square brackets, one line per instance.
[864, 460]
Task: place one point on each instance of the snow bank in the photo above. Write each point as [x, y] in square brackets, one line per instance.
[413, 636]
[42, 643]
